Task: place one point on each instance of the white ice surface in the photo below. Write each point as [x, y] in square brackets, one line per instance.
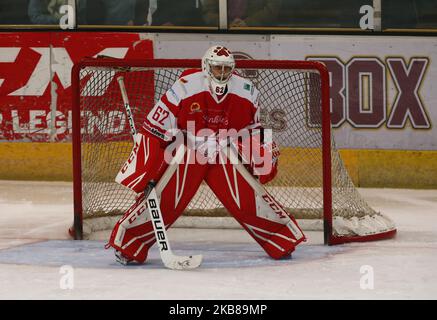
[34, 244]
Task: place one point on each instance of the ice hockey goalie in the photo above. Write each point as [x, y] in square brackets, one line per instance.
[217, 109]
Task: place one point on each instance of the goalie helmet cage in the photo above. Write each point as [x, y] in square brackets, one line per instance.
[312, 183]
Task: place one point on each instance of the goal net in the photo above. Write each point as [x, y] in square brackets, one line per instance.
[312, 182]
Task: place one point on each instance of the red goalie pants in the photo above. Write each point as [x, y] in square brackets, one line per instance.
[259, 214]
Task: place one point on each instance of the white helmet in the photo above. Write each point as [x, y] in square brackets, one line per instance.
[218, 64]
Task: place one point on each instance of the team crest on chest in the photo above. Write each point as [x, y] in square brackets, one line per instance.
[195, 107]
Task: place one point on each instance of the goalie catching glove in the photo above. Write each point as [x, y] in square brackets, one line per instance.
[260, 156]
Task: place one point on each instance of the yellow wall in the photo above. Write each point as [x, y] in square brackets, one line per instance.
[392, 168]
[36, 161]
[368, 168]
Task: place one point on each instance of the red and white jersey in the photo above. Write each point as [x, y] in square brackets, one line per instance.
[190, 100]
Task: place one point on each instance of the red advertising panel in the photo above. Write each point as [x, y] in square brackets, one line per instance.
[35, 78]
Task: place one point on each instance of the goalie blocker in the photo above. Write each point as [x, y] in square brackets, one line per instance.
[243, 196]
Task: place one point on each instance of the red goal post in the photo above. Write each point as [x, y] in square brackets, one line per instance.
[297, 89]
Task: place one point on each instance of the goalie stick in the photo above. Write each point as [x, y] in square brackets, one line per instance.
[130, 118]
[169, 259]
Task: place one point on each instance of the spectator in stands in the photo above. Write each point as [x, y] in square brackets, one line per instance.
[48, 11]
[45, 11]
[14, 12]
[242, 13]
[141, 12]
[175, 13]
[400, 13]
[110, 12]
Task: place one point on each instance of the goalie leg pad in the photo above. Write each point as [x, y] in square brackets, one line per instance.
[133, 234]
[260, 214]
[129, 236]
[145, 163]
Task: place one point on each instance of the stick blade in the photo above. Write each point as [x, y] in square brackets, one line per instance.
[182, 262]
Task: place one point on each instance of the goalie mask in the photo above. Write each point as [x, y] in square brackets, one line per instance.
[218, 64]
